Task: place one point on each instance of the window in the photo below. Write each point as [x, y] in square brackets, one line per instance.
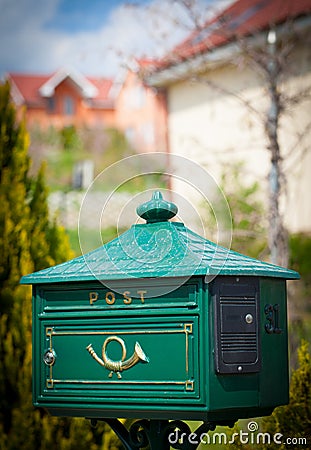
[51, 104]
[130, 135]
[147, 132]
[68, 105]
[136, 98]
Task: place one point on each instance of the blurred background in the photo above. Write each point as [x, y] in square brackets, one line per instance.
[224, 83]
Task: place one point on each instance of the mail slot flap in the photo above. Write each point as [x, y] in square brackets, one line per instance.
[236, 326]
[144, 293]
[125, 362]
[236, 318]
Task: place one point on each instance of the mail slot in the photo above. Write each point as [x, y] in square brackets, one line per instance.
[237, 312]
[150, 326]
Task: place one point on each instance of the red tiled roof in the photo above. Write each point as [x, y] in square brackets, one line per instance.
[104, 86]
[28, 86]
[242, 18]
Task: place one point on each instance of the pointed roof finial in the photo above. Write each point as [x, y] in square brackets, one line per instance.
[157, 209]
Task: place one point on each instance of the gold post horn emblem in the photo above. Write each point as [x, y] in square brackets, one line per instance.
[118, 366]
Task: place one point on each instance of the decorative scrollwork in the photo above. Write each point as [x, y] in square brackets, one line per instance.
[138, 433]
[155, 433]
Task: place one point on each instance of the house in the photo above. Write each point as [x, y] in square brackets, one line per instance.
[69, 98]
[64, 98]
[141, 112]
[217, 98]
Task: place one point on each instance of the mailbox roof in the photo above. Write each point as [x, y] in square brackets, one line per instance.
[158, 248]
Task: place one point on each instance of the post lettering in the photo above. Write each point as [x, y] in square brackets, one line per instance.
[141, 293]
[93, 296]
[127, 300]
[110, 298]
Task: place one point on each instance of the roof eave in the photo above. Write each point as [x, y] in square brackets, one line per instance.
[16, 94]
[216, 57]
[183, 69]
[213, 272]
[87, 88]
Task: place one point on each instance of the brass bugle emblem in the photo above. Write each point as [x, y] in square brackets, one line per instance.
[123, 364]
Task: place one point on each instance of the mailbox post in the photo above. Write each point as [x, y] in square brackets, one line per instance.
[164, 325]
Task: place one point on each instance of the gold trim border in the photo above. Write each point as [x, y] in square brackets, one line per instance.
[187, 329]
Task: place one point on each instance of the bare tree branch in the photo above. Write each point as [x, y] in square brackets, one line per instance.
[271, 55]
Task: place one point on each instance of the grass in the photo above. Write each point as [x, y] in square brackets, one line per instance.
[107, 235]
[62, 149]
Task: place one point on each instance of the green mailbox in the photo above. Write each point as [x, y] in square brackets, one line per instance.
[160, 323]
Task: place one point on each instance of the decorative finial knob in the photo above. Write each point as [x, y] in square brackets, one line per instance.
[157, 209]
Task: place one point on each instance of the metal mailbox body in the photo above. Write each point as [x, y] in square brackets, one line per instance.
[118, 335]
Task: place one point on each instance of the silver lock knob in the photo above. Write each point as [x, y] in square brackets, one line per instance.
[249, 318]
[49, 357]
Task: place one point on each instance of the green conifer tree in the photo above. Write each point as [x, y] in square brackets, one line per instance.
[28, 241]
[49, 244]
[293, 421]
[290, 424]
[14, 211]
[14, 248]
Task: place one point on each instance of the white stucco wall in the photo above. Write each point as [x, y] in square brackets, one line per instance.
[214, 127]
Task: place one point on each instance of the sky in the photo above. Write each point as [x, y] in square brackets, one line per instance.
[96, 37]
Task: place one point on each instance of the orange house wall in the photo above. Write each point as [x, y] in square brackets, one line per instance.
[83, 115]
[139, 109]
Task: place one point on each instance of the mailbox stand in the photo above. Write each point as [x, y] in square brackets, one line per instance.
[163, 324]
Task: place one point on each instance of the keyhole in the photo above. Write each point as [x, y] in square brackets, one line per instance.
[49, 357]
